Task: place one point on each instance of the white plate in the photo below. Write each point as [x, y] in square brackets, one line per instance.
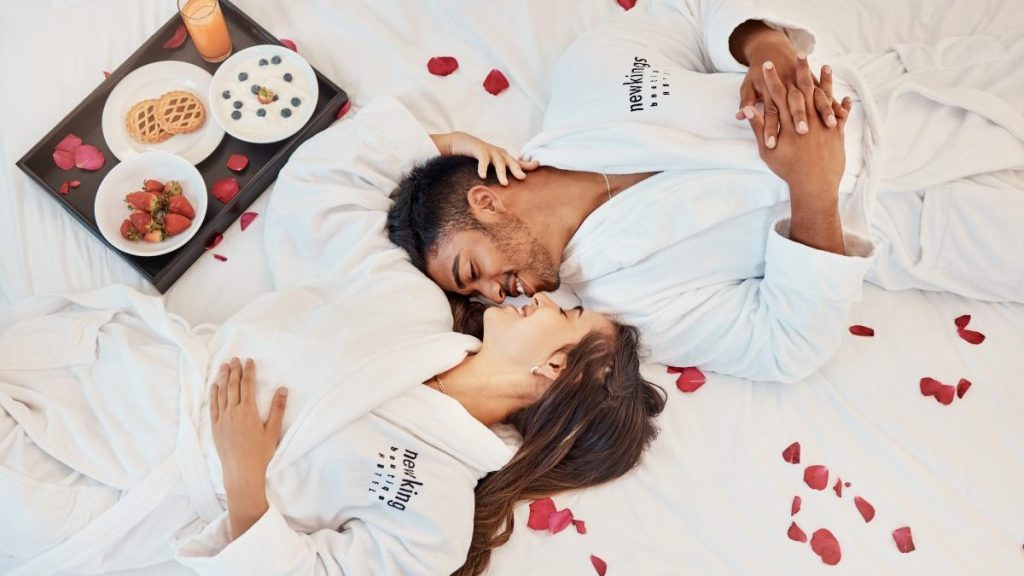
[128, 176]
[273, 126]
[152, 81]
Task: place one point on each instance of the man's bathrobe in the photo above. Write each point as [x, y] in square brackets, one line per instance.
[698, 256]
[106, 456]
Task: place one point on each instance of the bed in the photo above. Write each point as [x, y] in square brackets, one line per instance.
[715, 494]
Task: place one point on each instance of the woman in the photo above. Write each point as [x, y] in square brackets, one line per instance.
[123, 440]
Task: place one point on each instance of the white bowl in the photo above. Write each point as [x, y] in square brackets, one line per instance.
[111, 209]
[272, 127]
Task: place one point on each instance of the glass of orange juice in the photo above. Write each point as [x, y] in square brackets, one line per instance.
[206, 26]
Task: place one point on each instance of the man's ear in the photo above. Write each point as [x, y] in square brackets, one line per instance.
[553, 367]
[485, 203]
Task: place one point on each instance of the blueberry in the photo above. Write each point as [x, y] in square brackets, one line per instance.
[261, 112]
[237, 104]
[226, 94]
[236, 115]
[276, 59]
[296, 101]
[263, 61]
[287, 77]
[286, 112]
[255, 89]
[242, 76]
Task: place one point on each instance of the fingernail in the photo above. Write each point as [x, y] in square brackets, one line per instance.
[768, 65]
[831, 121]
[748, 112]
[801, 56]
[828, 69]
[771, 141]
[282, 391]
[802, 127]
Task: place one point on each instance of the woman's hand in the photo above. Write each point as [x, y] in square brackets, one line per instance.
[462, 144]
[815, 160]
[244, 442]
[754, 43]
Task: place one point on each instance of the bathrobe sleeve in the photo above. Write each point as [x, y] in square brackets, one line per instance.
[781, 327]
[328, 209]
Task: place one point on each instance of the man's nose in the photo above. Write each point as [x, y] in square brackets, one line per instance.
[494, 292]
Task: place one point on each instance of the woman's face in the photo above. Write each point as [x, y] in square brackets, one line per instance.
[529, 335]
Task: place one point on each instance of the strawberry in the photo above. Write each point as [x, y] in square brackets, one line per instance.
[128, 231]
[154, 236]
[180, 205]
[145, 201]
[172, 188]
[176, 223]
[154, 186]
[141, 220]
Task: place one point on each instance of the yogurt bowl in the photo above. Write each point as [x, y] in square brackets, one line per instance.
[263, 94]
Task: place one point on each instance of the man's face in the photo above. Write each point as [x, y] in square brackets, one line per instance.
[503, 260]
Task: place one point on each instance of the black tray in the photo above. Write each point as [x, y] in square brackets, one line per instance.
[265, 160]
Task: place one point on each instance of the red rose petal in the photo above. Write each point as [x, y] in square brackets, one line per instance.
[930, 386]
[70, 143]
[442, 65]
[581, 527]
[225, 189]
[847, 484]
[343, 110]
[289, 45]
[215, 241]
[178, 38]
[825, 545]
[971, 336]
[795, 506]
[237, 162]
[858, 330]
[904, 539]
[792, 453]
[690, 378]
[962, 387]
[795, 533]
[560, 520]
[540, 511]
[599, 565]
[75, 183]
[106, 74]
[221, 258]
[89, 157]
[838, 488]
[247, 219]
[962, 321]
[867, 511]
[65, 188]
[816, 477]
[495, 83]
[627, 4]
[64, 159]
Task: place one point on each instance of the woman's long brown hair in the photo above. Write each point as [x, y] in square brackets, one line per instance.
[591, 426]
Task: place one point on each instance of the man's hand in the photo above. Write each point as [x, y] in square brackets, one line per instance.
[244, 442]
[462, 144]
[753, 43]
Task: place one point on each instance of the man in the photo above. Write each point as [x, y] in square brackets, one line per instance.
[719, 262]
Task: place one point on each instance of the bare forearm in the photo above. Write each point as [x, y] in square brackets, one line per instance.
[748, 36]
[815, 219]
[247, 503]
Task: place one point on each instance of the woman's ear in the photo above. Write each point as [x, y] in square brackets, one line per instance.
[552, 367]
[485, 203]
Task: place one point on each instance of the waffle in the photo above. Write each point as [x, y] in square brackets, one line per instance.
[180, 112]
[142, 124]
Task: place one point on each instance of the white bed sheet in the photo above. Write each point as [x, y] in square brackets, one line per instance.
[713, 496]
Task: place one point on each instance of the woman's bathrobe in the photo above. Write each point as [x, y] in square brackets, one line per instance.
[698, 256]
[106, 456]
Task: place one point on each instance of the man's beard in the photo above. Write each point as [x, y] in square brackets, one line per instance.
[519, 247]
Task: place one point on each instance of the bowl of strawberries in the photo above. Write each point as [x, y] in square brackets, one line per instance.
[151, 204]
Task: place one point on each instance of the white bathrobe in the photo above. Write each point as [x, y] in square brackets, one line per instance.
[106, 456]
[698, 256]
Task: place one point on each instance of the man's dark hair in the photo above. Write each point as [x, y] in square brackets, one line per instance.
[430, 204]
